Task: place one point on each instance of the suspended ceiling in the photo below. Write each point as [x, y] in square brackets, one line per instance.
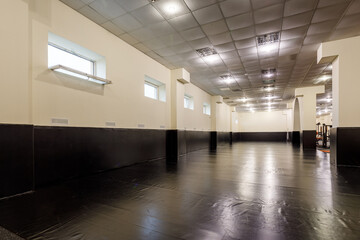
[170, 31]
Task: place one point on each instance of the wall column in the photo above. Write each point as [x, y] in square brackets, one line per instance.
[345, 141]
[307, 102]
[174, 138]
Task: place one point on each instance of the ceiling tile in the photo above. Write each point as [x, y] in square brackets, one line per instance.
[354, 8]
[129, 39]
[181, 48]
[226, 47]
[143, 34]
[261, 3]
[293, 7]
[75, 4]
[92, 15]
[220, 38]
[227, 55]
[323, 27]
[171, 39]
[108, 9]
[243, 33]
[196, 4]
[161, 28]
[324, 3]
[294, 33]
[200, 43]
[192, 34]
[297, 20]
[249, 42]
[268, 27]
[235, 7]
[165, 52]
[350, 21]
[240, 21]
[329, 13]
[269, 13]
[208, 14]
[147, 15]
[127, 22]
[215, 27]
[183, 22]
[154, 44]
[247, 51]
[131, 5]
[111, 27]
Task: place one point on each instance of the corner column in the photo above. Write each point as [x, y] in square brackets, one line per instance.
[344, 137]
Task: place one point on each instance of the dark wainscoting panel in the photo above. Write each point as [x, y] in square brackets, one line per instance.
[196, 140]
[295, 138]
[223, 137]
[345, 145]
[260, 136]
[182, 142]
[66, 152]
[309, 139]
[16, 159]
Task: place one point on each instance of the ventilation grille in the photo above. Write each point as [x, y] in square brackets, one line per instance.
[60, 121]
[110, 124]
[141, 125]
[236, 90]
[271, 81]
[203, 52]
[268, 71]
[268, 38]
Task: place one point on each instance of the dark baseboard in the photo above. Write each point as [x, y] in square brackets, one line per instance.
[344, 146]
[259, 136]
[16, 159]
[309, 139]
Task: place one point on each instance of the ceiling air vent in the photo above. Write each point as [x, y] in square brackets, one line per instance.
[269, 73]
[268, 38]
[236, 90]
[203, 52]
[270, 81]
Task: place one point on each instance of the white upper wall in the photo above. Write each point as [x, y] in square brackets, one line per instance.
[195, 119]
[15, 101]
[88, 104]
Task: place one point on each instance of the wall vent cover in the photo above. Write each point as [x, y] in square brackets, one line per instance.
[60, 121]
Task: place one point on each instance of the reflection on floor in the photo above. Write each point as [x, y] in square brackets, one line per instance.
[245, 191]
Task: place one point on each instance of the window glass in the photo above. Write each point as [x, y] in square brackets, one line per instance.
[57, 56]
[151, 90]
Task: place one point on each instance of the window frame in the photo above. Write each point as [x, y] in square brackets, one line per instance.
[189, 98]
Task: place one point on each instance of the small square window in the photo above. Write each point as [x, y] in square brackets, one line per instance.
[206, 108]
[188, 102]
[151, 90]
[154, 89]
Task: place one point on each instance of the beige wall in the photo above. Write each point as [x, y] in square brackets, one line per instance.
[15, 101]
[89, 104]
[31, 93]
[274, 121]
[195, 119]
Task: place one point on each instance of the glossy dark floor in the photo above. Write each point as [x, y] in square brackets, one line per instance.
[245, 191]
